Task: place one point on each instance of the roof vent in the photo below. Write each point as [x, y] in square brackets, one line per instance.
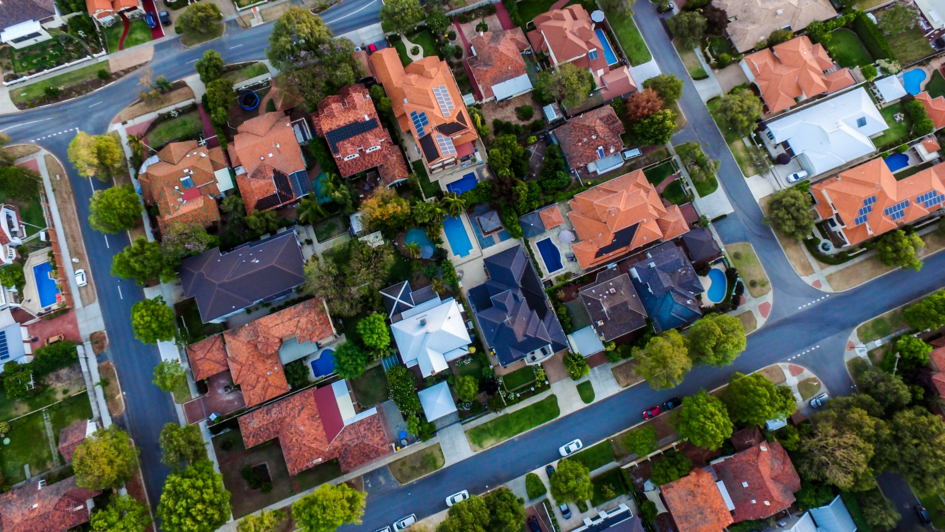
[613, 290]
[277, 145]
[779, 12]
[744, 484]
[652, 265]
[270, 156]
[35, 506]
[262, 158]
[42, 484]
[753, 501]
[763, 448]
[767, 503]
[423, 322]
[600, 323]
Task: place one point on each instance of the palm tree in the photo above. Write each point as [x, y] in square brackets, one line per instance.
[453, 204]
[413, 248]
[137, 147]
[310, 211]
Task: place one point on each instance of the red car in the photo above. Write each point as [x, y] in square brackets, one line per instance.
[651, 412]
[371, 48]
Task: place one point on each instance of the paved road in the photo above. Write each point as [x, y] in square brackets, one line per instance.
[898, 491]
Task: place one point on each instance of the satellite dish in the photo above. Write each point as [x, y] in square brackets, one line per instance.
[597, 16]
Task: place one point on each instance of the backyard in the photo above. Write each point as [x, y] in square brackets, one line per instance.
[656, 174]
[45, 55]
[898, 132]
[424, 39]
[430, 189]
[509, 425]
[630, 39]
[936, 86]
[614, 480]
[35, 90]
[847, 50]
[749, 268]
[531, 9]
[56, 387]
[31, 213]
[909, 45]
[418, 464]
[371, 387]
[244, 499]
[138, 33]
[184, 127]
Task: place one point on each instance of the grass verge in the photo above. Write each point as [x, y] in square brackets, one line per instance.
[504, 427]
[586, 391]
[692, 63]
[808, 387]
[595, 457]
[882, 325]
[418, 464]
[749, 322]
[749, 268]
[35, 90]
[195, 39]
[630, 39]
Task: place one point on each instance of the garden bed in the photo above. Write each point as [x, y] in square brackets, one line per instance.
[77, 82]
[749, 268]
[42, 56]
[246, 72]
[615, 480]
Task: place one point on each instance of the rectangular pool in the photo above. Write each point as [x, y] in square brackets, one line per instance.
[609, 54]
[550, 254]
[467, 183]
[48, 291]
[457, 235]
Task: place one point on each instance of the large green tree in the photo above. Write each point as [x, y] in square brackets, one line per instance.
[328, 508]
[738, 112]
[789, 213]
[385, 210]
[350, 360]
[886, 389]
[105, 460]
[673, 466]
[717, 339]
[399, 15]
[199, 18]
[184, 240]
[295, 34]
[506, 511]
[374, 332]
[667, 86]
[266, 521]
[467, 387]
[688, 27]
[656, 129]
[12, 276]
[182, 445]
[878, 511]
[571, 482]
[919, 438]
[900, 248]
[753, 399]
[20, 183]
[928, 313]
[349, 273]
[664, 362]
[210, 66]
[145, 262]
[898, 18]
[220, 97]
[194, 500]
[571, 85]
[403, 390]
[641, 441]
[169, 375]
[914, 353]
[508, 158]
[123, 514]
[703, 420]
[323, 73]
[834, 454]
[153, 320]
[471, 515]
[99, 156]
[115, 209]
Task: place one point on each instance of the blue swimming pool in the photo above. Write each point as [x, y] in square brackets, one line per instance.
[419, 236]
[324, 364]
[322, 194]
[912, 80]
[457, 235]
[550, 254]
[608, 51]
[48, 291]
[897, 161]
[716, 291]
[467, 183]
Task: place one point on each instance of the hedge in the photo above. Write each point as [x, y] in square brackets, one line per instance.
[872, 38]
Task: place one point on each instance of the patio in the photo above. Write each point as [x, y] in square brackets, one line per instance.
[221, 398]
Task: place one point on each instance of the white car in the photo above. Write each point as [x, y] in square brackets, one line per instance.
[797, 176]
[385, 529]
[404, 522]
[570, 448]
[80, 278]
[457, 498]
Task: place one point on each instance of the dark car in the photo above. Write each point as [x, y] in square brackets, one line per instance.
[672, 403]
[533, 524]
[550, 470]
[149, 18]
[665, 7]
[923, 514]
[165, 18]
[651, 412]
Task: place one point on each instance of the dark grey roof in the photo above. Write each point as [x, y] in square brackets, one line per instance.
[613, 304]
[450, 128]
[348, 131]
[701, 245]
[622, 239]
[668, 286]
[13, 12]
[512, 308]
[532, 225]
[428, 145]
[398, 298]
[225, 283]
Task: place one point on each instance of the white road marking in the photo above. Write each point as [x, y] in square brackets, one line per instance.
[349, 14]
[94, 104]
[106, 241]
[25, 124]
[819, 299]
[119, 292]
[804, 352]
[237, 46]
[93, 189]
[194, 61]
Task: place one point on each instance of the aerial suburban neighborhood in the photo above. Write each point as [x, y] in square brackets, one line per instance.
[457, 266]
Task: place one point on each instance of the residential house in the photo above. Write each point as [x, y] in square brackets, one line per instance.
[830, 133]
[538, 222]
[11, 233]
[758, 482]
[37, 507]
[429, 332]
[108, 12]
[72, 436]
[184, 180]
[933, 11]
[497, 66]
[619, 216]
[429, 106]
[14, 340]
[938, 360]
[867, 200]
[833, 517]
[928, 149]
[696, 503]
[794, 71]
[753, 20]
[701, 246]
[437, 402]
[613, 305]
[356, 138]
[226, 283]
[25, 22]
[668, 287]
[592, 140]
[266, 156]
[317, 425]
[513, 312]
[934, 107]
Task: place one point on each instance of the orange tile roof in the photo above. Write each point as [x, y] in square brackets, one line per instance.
[498, 59]
[761, 481]
[568, 34]
[71, 437]
[104, 8]
[56, 507]
[931, 145]
[582, 135]
[551, 217]
[848, 192]
[620, 215]
[696, 503]
[165, 184]
[616, 83]
[282, 96]
[935, 107]
[793, 69]
[207, 357]
[265, 146]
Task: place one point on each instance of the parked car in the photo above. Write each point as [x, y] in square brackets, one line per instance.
[665, 7]
[54, 339]
[549, 470]
[149, 18]
[672, 403]
[570, 448]
[385, 529]
[404, 522]
[457, 498]
[819, 400]
[923, 514]
[165, 18]
[80, 278]
[651, 412]
[565, 511]
[533, 524]
[797, 176]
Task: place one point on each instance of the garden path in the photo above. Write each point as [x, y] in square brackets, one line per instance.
[409, 45]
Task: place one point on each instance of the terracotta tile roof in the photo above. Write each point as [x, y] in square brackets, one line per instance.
[411, 91]
[266, 148]
[616, 83]
[931, 145]
[70, 438]
[17, 11]
[310, 430]
[568, 34]
[938, 379]
[752, 20]
[620, 215]
[207, 357]
[498, 59]
[104, 8]
[57, 507]
[182, 184]
[794, 69]
[761, 480]
[747, 438]
[935, 107]
[872, 182]
[581, 136]
[696, 503]
[350, 124]
[551, 217]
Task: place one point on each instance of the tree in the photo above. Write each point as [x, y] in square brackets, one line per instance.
[878, 511]
[466, 388]
[921, 123]
[643, 104]
[508, 159]
[758, 158]
[182, 444]
[576, 365]
[184, 240]
[899, 248]
[348, 273]
[688, 27]
[926, 314]
[571, 85]
[350, 360]
[194, 500]
[99, 156]
[105, 460]
[621, 8]
[667, 86]
[210, 66]
[11, 276]
[144, 262]
[266, 521]
[835, 456]
[399, 15]
[295, 34]
[700, 167]
[115, 209]
[920, 455]
[671, 468]
[385, 210]
[656, 129]
[403, 390]
[869, 72]
[717, 339]
[220, 95]
[779, 36]
[571, 482]
[897, 18]
[789, 213]
[886, 389]
[641, 441]
[452, 204]
[332, 66]
[233, 205]
[374, 333]
[169, 375]
[123, 514]
[437, 23]
[788, 436]
[470, 515]
[507, 512]
[738, 112]
[664, 362]
[262, 222]
[328, 508]
[153, 320]
[753, 399]
[914, 353]
[199, 18]
[20, 183]
[703, 419]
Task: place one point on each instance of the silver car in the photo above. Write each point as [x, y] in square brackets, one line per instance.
[819, 400]
[797, 176]
[404, 522]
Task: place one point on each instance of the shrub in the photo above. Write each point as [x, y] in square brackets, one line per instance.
[723, 60]
[534, 486]
[451, 35]
[102, 74]
[414, 50]
[576, 365]
[525, 112]
[872, 38]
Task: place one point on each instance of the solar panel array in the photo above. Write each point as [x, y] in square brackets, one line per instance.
[4, 349]
[864, 210]
[860, 220]
[869, 201]
[443, 99]
[445, 144]
[419, 121]
[897, 211]
[930, 199]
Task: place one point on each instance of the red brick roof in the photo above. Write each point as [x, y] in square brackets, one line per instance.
[696, 503]
[498, 59]
[761, 481]
[582, 135]
[938, 379]
[264, 146]
[747, 438]
[162, 184]
[70, 438]
[55, 508]
[207, 357]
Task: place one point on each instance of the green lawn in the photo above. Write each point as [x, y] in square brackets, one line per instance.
[473, 368]
[181, 394]
[195, 39]
[630, 39]
[531, 9]
[692, 63]
[882, 326]
[68, 412]
[184, 126]
[138, 33]
[509, 425]
[371, 387]
[707, 187]
[424, 39]
[596, 456]
[656, 174]
[519, 378]
[897, 133]
[586, 391]
[935, 506]
[936, 86]
[28, 445]
[430, 189]
[189, 315]
[318, 475]
[613, 478]
[31, 213]
[675, 194]
[720, 45]
[63, 80]
[418, 464]
[909, 45]
[846, 49]
[247, 72]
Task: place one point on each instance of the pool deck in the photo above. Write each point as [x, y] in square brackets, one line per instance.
[563, 247]
[31, 291]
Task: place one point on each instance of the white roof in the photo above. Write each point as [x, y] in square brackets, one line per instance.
[725, 496]
[775, 424]
[357, 224]
[833, 518]
[585, 341]
[933, 10]
[343, 398]
[437, 401]
[550, 113]
[890, 88]
[432, 337]
[22, 29]
[831, 133]
[512, 87]
[804, 524]
[224, 179]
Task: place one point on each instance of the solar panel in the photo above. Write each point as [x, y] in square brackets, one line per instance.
[600, 152]
[419, 121]
[859, 220]
[899, 207]
[930, 199]
[869, 201]
[897, 215]
[443, 99]
[445, 144]
[866, 210]
[4, 349]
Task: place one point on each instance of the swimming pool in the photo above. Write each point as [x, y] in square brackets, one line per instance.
[912, 80]
[322, 194]
[419, 236]
[550, 254]
[467, 183]
[716, 291]
[48, 291]
[608, 51]
[897, 161]
[324, 364]
[457, 235]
